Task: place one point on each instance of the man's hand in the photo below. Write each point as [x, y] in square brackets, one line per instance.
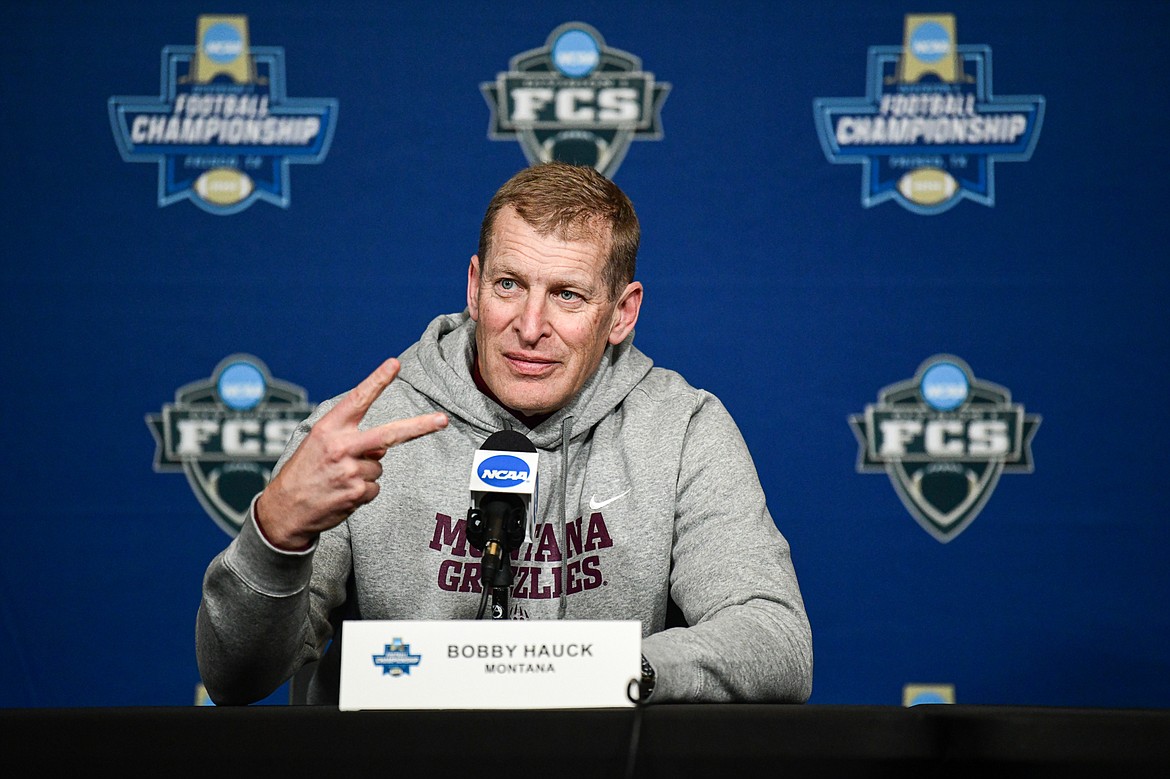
[336, 468]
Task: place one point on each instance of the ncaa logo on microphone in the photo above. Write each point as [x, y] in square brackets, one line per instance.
[493, 470]
[503, 470]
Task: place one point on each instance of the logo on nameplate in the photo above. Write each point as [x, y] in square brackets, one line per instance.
[226, 432]
[944, 438]
[576, 100]
[396, 659]
[929, 131]
[222, 130]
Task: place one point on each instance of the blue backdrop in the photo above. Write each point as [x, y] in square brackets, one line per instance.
[793, 270]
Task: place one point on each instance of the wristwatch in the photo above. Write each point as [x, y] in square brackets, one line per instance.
[648, 678]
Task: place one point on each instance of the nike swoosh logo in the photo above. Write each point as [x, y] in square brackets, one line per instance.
[595, 504]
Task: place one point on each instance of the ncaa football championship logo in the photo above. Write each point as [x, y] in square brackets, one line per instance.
[226, 433]
[575, 100]
[928, 131]
[222, 130]
[396, 659]
[944, 438]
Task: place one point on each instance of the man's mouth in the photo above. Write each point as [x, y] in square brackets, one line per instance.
[529, 365]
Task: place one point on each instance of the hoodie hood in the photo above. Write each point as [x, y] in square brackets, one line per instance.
[439, 367]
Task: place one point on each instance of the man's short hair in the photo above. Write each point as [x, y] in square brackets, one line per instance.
[572, 203]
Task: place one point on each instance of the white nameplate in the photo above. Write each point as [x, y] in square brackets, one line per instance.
[489, 664]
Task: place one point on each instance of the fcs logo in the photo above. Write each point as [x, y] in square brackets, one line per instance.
[226, 433]
[575, 100]
[222, 130]
[944, 438]
[503, 470]
[928, 131]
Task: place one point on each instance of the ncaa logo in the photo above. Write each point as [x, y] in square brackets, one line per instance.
[944, 438]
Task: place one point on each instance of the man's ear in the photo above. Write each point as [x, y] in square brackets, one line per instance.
[473, 287]
[625, 313]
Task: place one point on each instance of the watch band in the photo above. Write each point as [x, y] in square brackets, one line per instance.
[649, 677]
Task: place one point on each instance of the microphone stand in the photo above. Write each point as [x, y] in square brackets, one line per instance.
[496, 528]
[500, 589]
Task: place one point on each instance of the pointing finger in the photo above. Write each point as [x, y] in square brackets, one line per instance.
[383, 437]
[357, 401]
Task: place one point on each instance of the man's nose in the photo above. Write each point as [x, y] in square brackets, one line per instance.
[533, 319]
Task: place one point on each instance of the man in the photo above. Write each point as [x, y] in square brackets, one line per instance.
[647, 491]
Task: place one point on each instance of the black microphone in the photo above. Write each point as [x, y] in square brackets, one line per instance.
[503, 482]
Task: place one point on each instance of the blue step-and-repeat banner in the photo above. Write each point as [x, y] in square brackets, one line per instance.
[919, 250]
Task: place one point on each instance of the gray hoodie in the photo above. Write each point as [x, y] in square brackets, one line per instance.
[646, 492]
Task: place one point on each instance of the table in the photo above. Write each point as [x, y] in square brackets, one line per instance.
[737, 740]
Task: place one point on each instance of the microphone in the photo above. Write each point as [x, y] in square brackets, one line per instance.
[503, 483]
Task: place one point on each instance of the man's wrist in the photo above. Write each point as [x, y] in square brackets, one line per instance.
[285, 546]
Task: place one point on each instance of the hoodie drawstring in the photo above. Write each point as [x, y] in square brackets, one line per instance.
[566, 433]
